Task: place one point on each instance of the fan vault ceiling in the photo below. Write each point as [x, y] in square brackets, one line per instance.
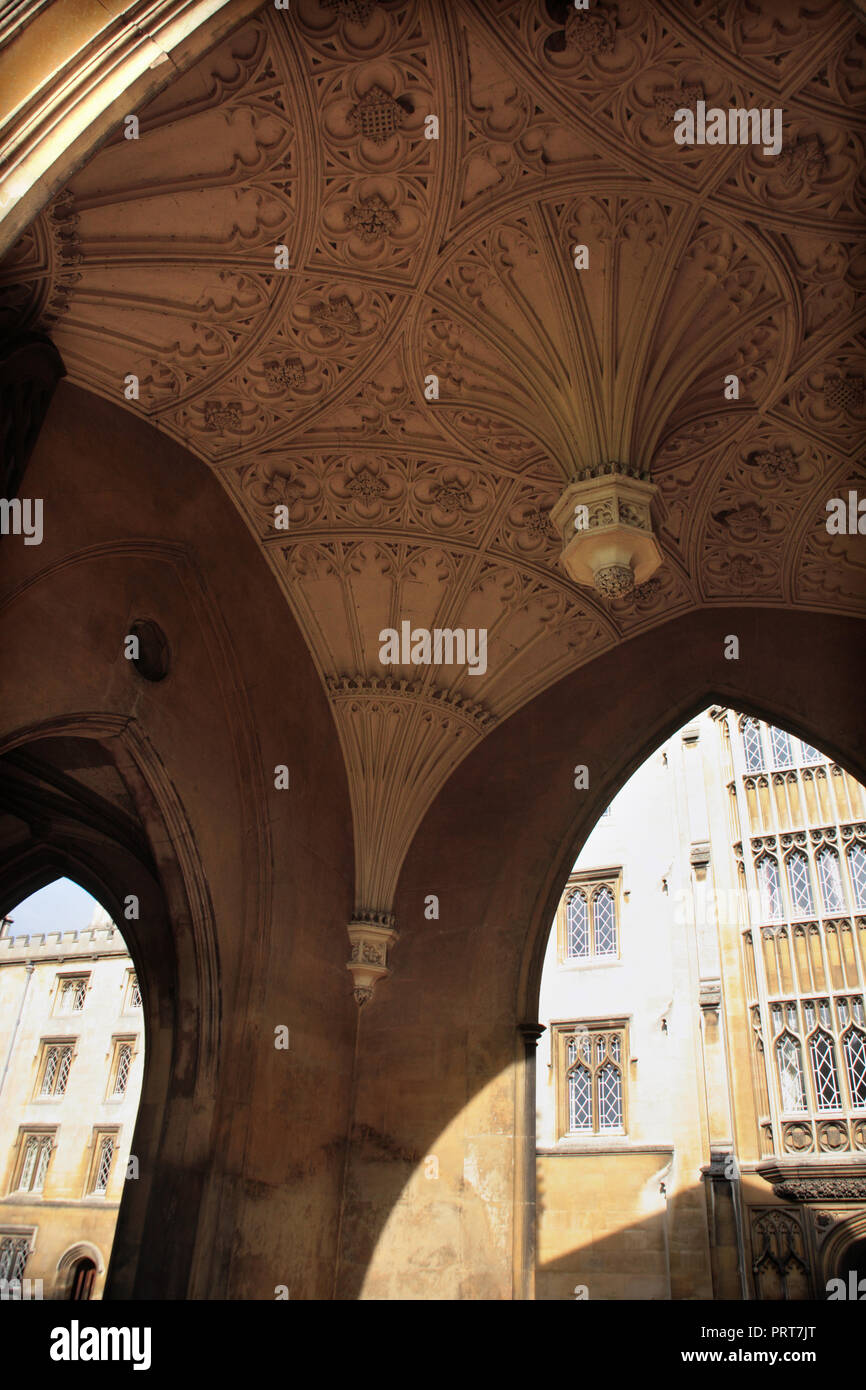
[411, 256]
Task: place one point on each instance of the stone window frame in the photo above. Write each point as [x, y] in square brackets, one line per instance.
[562, 1031]
[131, 984]
[63, 978]
[100, 1133]
[25, 1133]
[803, 755]
[803, 1033]
[589, 882]
[118, 1041]
[45, 1046]
[19, 1234]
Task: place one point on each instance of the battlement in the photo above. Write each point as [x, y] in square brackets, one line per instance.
[79, 945]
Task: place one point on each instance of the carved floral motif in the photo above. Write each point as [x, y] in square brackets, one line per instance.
[455, 257]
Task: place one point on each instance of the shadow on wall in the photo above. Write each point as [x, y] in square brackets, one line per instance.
[791, 1251]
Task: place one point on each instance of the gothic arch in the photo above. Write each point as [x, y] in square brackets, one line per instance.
[252, 892]
[502, 837]
[172, 940]
[82, 1250]
[847, 1232]
[304, 391]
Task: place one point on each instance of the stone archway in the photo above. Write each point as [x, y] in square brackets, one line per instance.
[299, 373]
[254, 890]
[843, 1251]
[74, 1276]
[501, 838]
[143, 866]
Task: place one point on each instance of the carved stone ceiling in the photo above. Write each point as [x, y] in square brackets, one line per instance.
[411, 256]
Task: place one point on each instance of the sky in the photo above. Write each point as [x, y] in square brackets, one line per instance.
[62, 906]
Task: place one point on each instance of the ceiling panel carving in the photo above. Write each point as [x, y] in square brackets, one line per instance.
[408, 256]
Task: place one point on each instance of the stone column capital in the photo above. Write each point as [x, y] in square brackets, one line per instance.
[531, 1032]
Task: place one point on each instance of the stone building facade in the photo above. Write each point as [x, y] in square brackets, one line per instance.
[72, 1052]
[701, 1083]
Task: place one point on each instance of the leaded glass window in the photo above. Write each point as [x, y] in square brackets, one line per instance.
[780, 742]
[771, 891]
[810, 755]
[34, 1165]
[823, 1058]
[604, 922]
[58, 1060]
[752, 746]
[831, 881]
[798, 885]
[594, 1081]
[577, 926]
[124, 1063]
[589, 924]
[13, 1257]
[72, 995]
[579, 1099]
[609, 1097]
[791, 1077]
[854, 1052]
[857, 866]
[134, 993]
[103, 1163]
[819, 1029]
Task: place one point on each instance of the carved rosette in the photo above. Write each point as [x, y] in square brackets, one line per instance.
[370, 935]
[604, 521]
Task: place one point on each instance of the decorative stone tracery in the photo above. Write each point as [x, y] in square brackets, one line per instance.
[455, 257]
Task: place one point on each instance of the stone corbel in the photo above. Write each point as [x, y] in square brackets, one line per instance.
[370, 934]
[710, 996]
[606, 529]
[699, 858]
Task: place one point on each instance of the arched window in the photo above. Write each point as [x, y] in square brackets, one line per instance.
[609, 1082]
[577, 925]
[798, 885]
[791, 1079]
[857, 867]
[854, 1052]
[780, 743]
[604, 922]
[830, 880]
[771, 889]
[822, 1055]
[594, 1081]
[754, 753]
[579, 1085]
[588, 924]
